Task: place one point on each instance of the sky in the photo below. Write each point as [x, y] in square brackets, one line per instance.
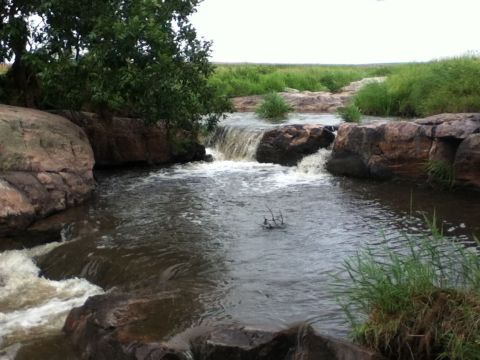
[338, 31]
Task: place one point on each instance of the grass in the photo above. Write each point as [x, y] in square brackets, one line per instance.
[350, 113]
[273, 107]
[244, 80]
[441, 173]
[418, 302]
[418, 90]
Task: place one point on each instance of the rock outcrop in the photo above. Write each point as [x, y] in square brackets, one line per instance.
[46, 166]
[308, 101]
[404, 149]
[107, 327]
[288, 144]
[126, 141]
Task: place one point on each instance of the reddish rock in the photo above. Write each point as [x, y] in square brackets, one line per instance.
[403, 148]
[107, 327]
[123, 141]
[46, 166]
[287, 145]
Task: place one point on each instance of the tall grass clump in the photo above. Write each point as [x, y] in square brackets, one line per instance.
[273, 107]
[425, 89]
[421, 301]
[350, 113]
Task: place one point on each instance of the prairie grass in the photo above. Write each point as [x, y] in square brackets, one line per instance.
[420, 301]
[273, 108]
[244, 80]
[417, 90]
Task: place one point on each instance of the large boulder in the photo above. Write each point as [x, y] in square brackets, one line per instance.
[404, 148]
[132, 326]
[46, 166]
[287, 145]
[125, 141]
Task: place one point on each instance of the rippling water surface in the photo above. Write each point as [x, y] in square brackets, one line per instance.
[196, 228]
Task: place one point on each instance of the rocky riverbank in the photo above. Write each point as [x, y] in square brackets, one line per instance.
[47, 162]
[112, 326]
[409, 149]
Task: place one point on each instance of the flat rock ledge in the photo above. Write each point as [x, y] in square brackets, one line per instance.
[404, 148]
[106, 327]
[123, 141]
[46, 166]
[287, 145]
[308, 101]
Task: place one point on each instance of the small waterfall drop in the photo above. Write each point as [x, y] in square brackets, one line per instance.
[236, 143]
[314, 164]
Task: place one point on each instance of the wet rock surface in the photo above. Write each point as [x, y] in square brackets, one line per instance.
[287, 145]
[46, 166]
[403, 149]
[126, 141]
[107, 327]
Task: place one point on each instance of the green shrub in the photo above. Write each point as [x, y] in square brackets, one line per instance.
[273, 107]
[420, 301]
[350, 113]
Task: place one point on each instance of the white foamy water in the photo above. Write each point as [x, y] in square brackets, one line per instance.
[31, 305]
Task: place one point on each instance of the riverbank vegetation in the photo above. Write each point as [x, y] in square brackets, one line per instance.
[418, 90]
[273, 108]
[131, 58]
[350, 113]
[417, 301]
[245, 79]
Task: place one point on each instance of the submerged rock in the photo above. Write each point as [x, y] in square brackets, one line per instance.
[287, 145]
[126, 141]
[46, 166]
[404, 148]
[107, 327]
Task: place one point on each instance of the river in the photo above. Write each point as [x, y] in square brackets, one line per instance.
[197, 228]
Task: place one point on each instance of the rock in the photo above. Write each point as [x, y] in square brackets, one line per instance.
[46, 166]
[467, 161]
[308, 101]
[403, 149]
[107, 327]
[124, 141]
[287, 145]
[302, 101]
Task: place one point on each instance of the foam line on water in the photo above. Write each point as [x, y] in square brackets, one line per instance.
[31, 304]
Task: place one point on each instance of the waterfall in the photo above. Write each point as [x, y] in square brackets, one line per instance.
[236, 143]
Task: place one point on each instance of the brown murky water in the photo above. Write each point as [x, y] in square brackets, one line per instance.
[195, 229]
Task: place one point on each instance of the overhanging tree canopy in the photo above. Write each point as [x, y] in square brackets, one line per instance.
[136, 57]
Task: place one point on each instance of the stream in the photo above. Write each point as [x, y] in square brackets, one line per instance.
[197, 228]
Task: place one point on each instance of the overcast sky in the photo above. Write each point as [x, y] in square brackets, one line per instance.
[338, 31]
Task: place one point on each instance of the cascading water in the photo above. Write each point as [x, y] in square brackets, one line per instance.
[236, 143]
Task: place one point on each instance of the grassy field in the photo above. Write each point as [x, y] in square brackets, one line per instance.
[250, 79]
[417, 90]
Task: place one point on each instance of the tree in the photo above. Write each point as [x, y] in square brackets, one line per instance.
[131, 57]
